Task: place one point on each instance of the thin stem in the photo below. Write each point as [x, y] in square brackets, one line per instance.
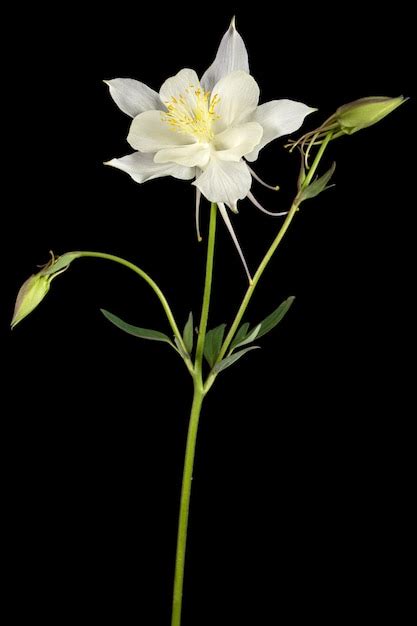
[207, 293]
[265, 261]
[185, 504]
[317, 160]
[193, 429]
[151, 283]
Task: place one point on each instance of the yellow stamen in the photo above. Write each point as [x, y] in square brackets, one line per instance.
[192, 114]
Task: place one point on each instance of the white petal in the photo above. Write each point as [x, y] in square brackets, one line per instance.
[142, 167]
[233, 143]
[150, 133]
[224, 181]
[196, 154]
[278, 118]
[259, 206]
[197, 213]
[259, 179]
[132, 96]
[231, 56]
[237, 96]
[225, 216]
[178, 85]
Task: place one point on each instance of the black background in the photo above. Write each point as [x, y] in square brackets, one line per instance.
[301, 494]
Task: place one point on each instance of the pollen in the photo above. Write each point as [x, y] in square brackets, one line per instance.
[192, 113]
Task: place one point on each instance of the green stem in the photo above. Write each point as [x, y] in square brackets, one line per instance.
[207, 293]
[317, 160]
[265, 261]
[185, 505]
[193, 429]
[151, 283]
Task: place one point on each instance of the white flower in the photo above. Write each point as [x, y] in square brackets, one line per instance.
[202, 129]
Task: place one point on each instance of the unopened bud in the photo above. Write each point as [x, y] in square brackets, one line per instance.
[31, 293]
[35, 288]
[365, 112]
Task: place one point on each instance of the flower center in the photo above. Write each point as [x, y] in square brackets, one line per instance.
[192, 113]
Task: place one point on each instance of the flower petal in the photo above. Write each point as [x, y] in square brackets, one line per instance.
[150, 133]
[142, 167]
[225, 216]
[197, 213]
[234, 98]
[178, 85]
[231, 56]
[259, 179]
[132, 96]
[196, 154]
[233, 143]
[259, 206]
[278, 118]
[224, 181]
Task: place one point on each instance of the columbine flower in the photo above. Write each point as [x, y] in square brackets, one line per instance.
[202, 129]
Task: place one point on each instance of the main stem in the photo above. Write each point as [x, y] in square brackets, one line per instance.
[192, 430]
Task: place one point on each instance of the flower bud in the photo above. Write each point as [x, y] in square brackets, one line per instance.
[31, 293]
[365, 112]
[35, 288]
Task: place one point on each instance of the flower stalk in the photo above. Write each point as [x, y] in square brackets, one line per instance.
[193, 428]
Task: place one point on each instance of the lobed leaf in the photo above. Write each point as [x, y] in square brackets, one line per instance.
[249, 338]
[228, 361]
[275, 317]
[136, 331]
[317, 186]
[188, 333]
[240, 335]
[213, 343]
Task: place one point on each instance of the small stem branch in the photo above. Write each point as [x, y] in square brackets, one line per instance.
[151, 283]
[265, 261]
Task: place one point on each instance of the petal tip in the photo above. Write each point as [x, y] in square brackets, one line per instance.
[233, 23]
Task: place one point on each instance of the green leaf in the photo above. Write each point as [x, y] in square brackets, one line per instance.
[248, 339]
[228, 361]
[143, 333]
[275, 317]
[181, 350]
[240, 335]
[316, 187]
[213, 343]
[188, 333]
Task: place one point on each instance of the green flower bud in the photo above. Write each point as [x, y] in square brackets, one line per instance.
[31, 293]
[35, 288]
[348, 119]
[365, 112]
